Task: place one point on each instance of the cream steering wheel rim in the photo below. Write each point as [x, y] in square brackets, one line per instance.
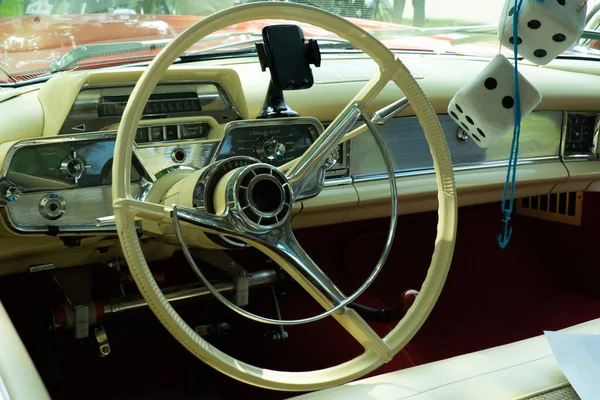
[377, 350]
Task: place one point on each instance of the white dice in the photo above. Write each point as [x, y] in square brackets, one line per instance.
[484, 108]
[546, 27]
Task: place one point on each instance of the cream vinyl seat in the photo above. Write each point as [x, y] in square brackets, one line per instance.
[519, 370]
[19, 380]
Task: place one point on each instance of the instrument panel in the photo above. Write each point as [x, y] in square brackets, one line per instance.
[271, 141]
[60, 164]
[63, 184]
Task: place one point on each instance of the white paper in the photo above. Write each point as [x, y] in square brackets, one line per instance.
[578, 355]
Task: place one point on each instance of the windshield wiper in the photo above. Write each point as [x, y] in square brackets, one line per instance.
[91, 51]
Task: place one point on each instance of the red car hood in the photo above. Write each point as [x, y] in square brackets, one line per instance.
[30, 43]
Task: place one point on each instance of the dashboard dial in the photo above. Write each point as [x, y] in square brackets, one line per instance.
[73, 166]
[581, 133]
[270, 149]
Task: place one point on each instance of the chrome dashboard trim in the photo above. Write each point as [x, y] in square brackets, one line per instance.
[496, 164]
[540, 141]
[332, 182]
[88, 102]
[23, 215]
[53, 139]
[158, 158]
[89, 202]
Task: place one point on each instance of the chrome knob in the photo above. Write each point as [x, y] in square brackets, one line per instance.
[73, 166]
[52, 206]
[12, 193]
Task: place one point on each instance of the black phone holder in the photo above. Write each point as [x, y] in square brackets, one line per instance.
[288, 56]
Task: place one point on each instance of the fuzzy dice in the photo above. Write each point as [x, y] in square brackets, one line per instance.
[484, 108]
[546, 28]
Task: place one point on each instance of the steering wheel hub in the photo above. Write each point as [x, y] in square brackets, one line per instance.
[261, 195]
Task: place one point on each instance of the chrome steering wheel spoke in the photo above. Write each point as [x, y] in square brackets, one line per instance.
[302, 170]
[283, 247]
[224, 224]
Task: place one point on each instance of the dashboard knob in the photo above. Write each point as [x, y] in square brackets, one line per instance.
[52, 206]
[12, 193]
[271, 149]
[73, 166]
[334, 157]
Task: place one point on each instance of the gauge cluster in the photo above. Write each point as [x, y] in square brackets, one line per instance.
[61, 184]
[274, 142]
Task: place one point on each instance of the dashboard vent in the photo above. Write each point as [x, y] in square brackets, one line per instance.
[580, 135]
[565, 208]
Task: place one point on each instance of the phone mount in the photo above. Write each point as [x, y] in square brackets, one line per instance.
[288, 56]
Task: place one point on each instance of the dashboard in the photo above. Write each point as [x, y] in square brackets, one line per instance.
[58, 181]
[62, 184]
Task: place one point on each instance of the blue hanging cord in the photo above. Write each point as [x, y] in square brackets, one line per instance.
[511, 174]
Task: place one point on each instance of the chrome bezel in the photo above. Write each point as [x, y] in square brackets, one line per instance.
[265, 122]
[240, 200]
[71, 229]
[592, 154]
[91, 104]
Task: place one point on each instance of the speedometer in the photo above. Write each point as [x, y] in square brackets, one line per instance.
[275, 141]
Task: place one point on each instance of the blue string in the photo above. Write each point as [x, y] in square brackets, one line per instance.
[511, 174]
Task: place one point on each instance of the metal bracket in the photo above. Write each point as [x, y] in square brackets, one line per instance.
[102, 340]
[224, 262]
[461, 135]
[282, 334]
[221, 329]
[81, 327]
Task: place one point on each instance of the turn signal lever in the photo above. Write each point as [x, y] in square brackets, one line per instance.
[389, 314]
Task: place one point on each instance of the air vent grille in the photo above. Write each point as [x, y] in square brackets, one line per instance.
[565, 208]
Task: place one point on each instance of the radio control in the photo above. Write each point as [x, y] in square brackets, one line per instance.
[73, 166]
[52, 206]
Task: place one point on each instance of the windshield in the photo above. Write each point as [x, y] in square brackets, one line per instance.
[41, 37]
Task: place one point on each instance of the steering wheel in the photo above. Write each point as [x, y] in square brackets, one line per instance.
[272, 235]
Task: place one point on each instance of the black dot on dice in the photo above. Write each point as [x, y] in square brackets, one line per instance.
[512, 40]
[491, 83]
[453, 114]
[511, 11]
[470, 120]
[534, 24]
[559, 37]
[561, 2]
[540, 53]
[481, 132]
[459, 109]
[475, 137]
[508, 102]
[465, 126]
